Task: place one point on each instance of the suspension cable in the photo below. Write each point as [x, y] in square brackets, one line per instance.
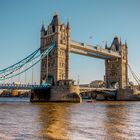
[42, 55]
[14, 69]
[19, 64]
[134, 75]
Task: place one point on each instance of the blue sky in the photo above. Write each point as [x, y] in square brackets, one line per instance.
[20, 23]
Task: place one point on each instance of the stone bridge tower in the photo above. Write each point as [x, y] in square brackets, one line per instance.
[116, 69]
[55, 66]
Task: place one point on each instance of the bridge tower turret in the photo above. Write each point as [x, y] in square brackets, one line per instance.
[117, 68]
[55, 67]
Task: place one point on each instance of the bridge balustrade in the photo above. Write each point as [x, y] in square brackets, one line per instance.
[21, 86]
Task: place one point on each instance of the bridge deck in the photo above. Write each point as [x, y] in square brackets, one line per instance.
[106, 91]
[22, 86]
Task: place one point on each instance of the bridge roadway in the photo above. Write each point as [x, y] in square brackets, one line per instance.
[22, 86]
[83, 90]
[92, 51]
[98, 90]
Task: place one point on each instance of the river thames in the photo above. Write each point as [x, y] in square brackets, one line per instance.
[100, 120]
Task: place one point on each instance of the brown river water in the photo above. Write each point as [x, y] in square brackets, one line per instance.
[100, 120]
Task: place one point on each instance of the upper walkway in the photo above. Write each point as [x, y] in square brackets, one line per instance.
[92, 51]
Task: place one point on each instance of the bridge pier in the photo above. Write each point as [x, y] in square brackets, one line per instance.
[65, 94]
[40, 94]
[127, 94]
[64, 91]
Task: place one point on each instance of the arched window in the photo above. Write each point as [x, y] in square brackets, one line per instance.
[53, 28]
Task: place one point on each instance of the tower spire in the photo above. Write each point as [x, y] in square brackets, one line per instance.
[68, 24]
[126, 43]
[43, 27]
[106, 45]
[55, 20]
[120, 41]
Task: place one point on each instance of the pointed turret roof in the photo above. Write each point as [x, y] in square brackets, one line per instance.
[126, 43]
[68, 24]
[120, 41]
[116, 43]
[106, 45]
[42, 28]
[55, 20]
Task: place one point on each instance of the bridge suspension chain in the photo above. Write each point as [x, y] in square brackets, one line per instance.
[20, 63]
[10, 72]
[14, 68]
[134, 75]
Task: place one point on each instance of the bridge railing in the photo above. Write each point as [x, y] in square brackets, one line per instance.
[21, 86]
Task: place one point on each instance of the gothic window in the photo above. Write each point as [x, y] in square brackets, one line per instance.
[113, 48]
[53, 62]
[63, 53]
[44, 65]
[53, 29]
[108, 61]
[113, 65]
[62, 64]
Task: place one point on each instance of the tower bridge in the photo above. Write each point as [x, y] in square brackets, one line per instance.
[55, 67]
[55, 48]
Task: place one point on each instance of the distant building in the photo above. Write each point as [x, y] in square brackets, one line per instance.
[1, 92]
[97, 84]
[84, 85]
[16, 92]
[5, 93]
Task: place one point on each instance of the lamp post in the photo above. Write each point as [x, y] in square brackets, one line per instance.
[78, 80]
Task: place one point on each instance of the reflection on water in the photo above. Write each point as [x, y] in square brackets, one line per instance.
[54, 121]
[20, 119]
[116, 121]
